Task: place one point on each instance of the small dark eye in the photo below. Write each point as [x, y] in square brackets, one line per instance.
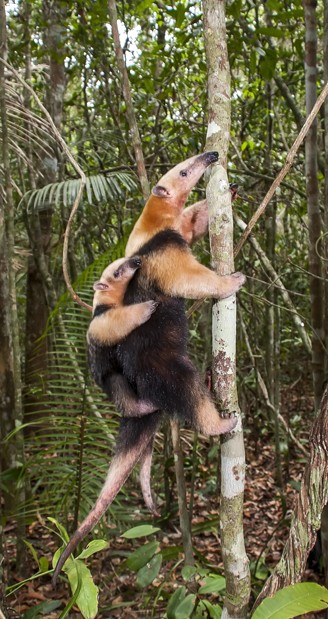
[183, 173]
[116, 274]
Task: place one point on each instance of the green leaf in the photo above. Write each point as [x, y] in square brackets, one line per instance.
[150, 571]
[188, 571]
[214, 611]
[213, 584]
[185, 608]
[41, 609]
[141, 556]
[292, 601]
[87, 600]
[63, 533]
[174, 601]
[43, 564]
[94, 546]
[140, 531]
[32, 551]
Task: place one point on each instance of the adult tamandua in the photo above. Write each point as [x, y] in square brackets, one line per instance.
[160, 214]
[112, 322]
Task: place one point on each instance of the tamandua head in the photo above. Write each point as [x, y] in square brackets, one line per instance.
[175, 186]
[165, 204]
[111, 287]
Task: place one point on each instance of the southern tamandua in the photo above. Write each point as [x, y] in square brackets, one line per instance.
[196, 282]
[112, 322]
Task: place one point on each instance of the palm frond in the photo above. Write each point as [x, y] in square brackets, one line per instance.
[99, 188]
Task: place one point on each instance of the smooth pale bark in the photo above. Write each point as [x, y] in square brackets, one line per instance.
[224, 313]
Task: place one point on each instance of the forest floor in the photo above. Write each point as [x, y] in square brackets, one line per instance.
[266, 520]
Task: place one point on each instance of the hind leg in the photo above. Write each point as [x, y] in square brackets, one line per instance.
[126, 399]
[207, 420]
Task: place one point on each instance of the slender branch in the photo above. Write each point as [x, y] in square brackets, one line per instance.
[185, 523]
[130, 114]
[264, 389]
[269, 268]
[289, 161]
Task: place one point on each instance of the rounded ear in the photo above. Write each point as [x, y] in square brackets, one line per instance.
[160, 191]
[100, 286]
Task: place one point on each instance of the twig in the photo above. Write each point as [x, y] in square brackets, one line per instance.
[130, 113]
[264, 389]
[289, 161]
[75, 165]
[269, 268]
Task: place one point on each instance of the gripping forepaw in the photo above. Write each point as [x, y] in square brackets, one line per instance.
[231, 284]
[149, 307]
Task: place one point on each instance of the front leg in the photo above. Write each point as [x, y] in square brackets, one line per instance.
[193, 222]
[178, 274]
[114, 325]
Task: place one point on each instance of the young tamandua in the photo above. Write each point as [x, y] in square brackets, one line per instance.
[112, 322]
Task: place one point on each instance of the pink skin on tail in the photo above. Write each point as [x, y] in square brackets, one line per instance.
[145, 475]
[133, 441]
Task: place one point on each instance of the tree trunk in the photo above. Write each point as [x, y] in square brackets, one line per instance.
[185, 521]
[314, 222]
[311, 500]
[39, 301]
[324, 518]
[12, 453]
[224, 313]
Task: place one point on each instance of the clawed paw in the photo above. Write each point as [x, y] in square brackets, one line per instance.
[228, 414]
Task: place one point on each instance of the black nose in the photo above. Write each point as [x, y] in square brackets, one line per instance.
[212, 156]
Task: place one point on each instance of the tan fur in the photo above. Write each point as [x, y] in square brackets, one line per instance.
[118, 322]
[115, 324]
[165, 211]
[179, 274]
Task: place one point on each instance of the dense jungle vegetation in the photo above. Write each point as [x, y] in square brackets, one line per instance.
[127, 115]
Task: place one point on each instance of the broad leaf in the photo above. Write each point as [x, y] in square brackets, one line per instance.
[141, 531]
[150, 571]
[185, 608]
[87, 599]
[94, 546]
[174, 601]
[213, 584]
[292, 601]
[141, 556]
